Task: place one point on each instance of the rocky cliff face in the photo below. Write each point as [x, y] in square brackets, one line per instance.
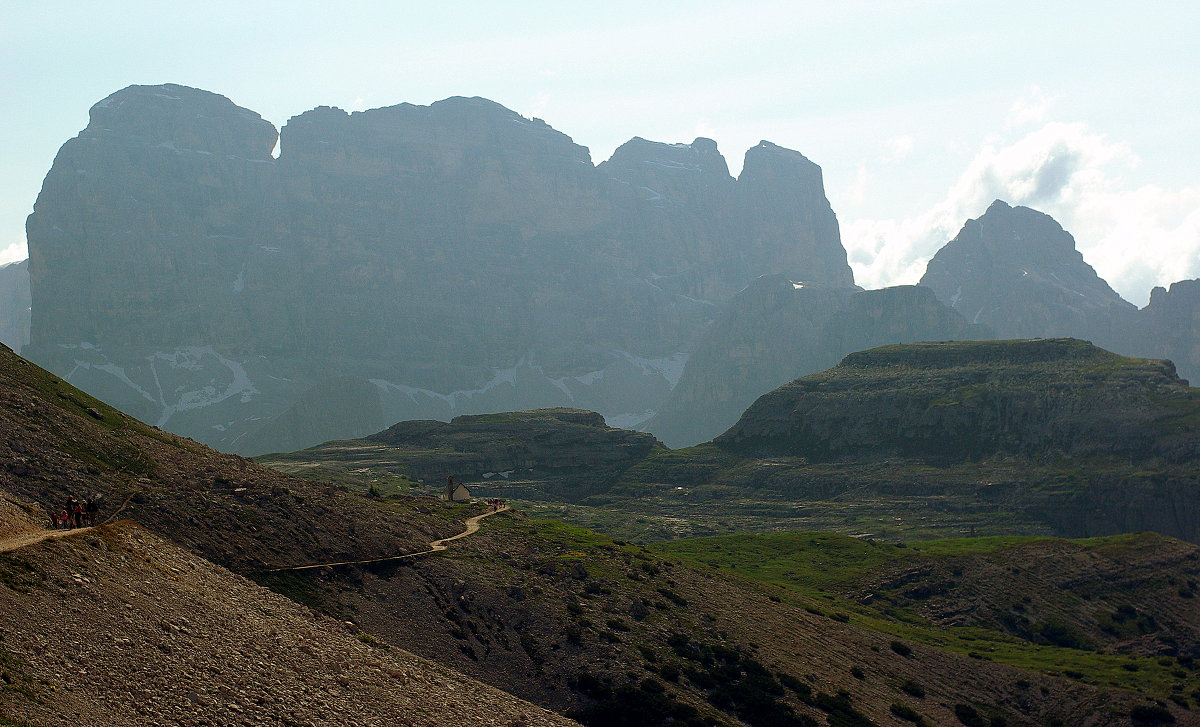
[777, 330]
[1169, 327]
[1016, 270]
[953, 402]
[456, 258]
[14, 305]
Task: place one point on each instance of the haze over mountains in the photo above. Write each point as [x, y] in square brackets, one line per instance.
[423, 262]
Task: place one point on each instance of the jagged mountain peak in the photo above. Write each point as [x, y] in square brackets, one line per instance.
[1017, 270]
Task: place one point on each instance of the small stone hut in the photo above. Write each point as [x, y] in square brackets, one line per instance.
[457, 492]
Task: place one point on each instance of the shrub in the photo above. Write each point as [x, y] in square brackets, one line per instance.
[857, 673]
[1149, 714]
[905, 712]
[901, 648]
[913, 689]
[1057, 632]
[968, 716]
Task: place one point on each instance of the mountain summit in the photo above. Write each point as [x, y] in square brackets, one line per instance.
[1017, 270]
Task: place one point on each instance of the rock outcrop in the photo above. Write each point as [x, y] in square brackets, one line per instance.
[777, 330]
[955, 402]
[1017, 270]
[14, 305]
[458, 257]
[555, 454]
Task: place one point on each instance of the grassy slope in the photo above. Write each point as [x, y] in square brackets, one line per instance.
[827, 570]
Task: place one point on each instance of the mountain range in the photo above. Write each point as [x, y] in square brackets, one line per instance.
[416, 262]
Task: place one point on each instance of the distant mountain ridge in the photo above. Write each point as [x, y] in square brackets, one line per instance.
[1012, 273]
[454, 258]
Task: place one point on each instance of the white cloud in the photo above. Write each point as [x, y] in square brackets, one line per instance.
[14, 252]
[1031, 108]
[1135, 236]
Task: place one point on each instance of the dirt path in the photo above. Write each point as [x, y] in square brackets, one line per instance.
[20, 541]
[472, 525]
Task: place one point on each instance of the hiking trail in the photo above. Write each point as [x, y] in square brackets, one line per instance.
[471, 523]
[37, 536]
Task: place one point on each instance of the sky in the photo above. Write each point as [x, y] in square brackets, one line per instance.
[920, 112]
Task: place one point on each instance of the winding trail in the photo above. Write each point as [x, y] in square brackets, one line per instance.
[37, 536]
[471, 523]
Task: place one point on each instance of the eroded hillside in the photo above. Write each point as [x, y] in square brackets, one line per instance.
[117, 626]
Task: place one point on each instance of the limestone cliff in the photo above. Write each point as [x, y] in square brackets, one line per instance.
[777, 330]
[456, 258]
[14, 305]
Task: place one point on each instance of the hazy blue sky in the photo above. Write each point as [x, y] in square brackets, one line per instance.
[920, 112]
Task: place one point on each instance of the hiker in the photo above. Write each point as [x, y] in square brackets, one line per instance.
[69, 510]
[78, 513]
[90, 509]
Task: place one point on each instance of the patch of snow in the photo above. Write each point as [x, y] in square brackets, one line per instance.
[654, 195]
[500, 377]
[670, 367]
[239, 283]
[690, 299]
[589, 378]
[797, 286]
[954, 298]
[192, 358]
[666, 164]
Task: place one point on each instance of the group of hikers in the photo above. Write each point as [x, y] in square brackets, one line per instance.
[495, 503]
[77, 513]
